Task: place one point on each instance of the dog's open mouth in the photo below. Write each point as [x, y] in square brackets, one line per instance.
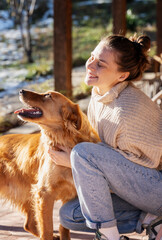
[32, 112]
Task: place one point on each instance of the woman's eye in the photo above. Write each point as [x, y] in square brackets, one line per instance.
[99, 65]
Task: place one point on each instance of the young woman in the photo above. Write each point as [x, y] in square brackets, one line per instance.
[118, 181]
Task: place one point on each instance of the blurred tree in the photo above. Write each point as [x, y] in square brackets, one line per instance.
[119, 16]
[159, 26]
[22, 10]
[63, 46]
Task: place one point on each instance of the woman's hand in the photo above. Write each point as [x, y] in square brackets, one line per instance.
[61, 158]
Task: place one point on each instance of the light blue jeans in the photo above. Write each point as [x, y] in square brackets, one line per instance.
[97, 170]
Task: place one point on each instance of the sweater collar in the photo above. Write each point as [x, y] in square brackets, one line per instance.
[110, 95]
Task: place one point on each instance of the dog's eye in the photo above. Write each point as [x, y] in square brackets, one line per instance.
[48, 95]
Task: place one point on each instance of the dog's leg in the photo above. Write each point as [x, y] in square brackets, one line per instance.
[30, 224]
[64, 233]
[44, 213]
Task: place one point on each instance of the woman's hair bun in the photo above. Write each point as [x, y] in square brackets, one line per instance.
[144, 42]
[132, 54]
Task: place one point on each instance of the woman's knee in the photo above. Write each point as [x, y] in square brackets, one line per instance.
[81, 151]
[88, 148]
[90, 153]
[82, 148]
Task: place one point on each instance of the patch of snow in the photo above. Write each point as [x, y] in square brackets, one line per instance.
[5, 21]
[6, 24]
[45, 22]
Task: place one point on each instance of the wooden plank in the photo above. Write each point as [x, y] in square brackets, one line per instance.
[63, 46]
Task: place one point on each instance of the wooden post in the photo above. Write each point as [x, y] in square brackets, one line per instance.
[159, 26]
[119, 16]
[63, 46]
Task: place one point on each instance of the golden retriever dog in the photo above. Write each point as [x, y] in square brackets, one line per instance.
[29, 179]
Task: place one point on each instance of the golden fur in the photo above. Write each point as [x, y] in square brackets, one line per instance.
[29, 178]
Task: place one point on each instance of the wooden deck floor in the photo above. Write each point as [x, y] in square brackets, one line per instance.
[11, 226]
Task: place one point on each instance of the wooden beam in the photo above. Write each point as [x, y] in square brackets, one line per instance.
[159, 26]
[119, 16]
[63, 46]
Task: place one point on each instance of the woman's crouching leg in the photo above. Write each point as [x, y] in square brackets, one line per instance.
[72, 218]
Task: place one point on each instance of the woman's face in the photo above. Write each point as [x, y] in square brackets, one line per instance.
[102, 70]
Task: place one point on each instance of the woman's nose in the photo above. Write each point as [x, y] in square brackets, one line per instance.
[90, 64]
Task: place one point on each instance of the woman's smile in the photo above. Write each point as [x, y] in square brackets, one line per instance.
[91, 75]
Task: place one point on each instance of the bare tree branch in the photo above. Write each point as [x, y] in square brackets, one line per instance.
[20, 9]
[32, 6]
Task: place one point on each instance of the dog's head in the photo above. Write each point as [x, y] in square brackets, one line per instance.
[51, 109]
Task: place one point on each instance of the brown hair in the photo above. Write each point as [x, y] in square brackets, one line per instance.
[131, 54]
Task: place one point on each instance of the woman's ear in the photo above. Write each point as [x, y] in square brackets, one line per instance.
[124, 76]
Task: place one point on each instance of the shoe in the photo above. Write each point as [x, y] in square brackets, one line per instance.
[100, 236]
[153, 228]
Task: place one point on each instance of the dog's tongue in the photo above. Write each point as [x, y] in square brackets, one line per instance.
[19, 110]
[24, 110]
[29, 113]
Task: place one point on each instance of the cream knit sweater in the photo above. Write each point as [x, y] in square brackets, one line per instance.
[127, 120]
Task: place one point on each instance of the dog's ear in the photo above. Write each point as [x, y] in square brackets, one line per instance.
[71, 114]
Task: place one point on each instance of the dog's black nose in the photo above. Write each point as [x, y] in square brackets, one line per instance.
[22, 91]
